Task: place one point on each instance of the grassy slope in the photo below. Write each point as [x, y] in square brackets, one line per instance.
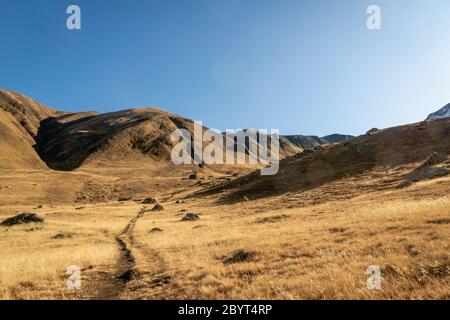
[320, 247]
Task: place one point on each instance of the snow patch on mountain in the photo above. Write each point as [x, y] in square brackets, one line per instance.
[440, 114]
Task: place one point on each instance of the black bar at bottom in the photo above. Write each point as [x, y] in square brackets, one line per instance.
[219, 309]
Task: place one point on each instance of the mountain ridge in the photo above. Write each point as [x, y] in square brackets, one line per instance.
[34, 136]
[442, 113]
[65, 141]
[387, 148]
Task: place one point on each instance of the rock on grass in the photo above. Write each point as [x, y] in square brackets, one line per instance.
[158, 207]
[190, 217]
[22, 219]
[149, 201]
[435, 158]
[193, 176]
[426, 173]
[129, 275]
[62, 235]
[240, 256]
[272, 219]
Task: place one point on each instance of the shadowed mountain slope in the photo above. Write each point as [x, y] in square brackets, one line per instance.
[70, 141]
[387, 148]
[305, 142]
[336, 138]
[34, 136]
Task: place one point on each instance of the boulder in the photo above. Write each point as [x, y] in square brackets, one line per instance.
[62, 235]
[21, 219]
[435, 158]
[193, 176]
[149, 201]
[426, 173]
[240, 256]
[158, 207]
[190, 217]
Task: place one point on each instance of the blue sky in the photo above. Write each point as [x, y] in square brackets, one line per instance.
[308, 67]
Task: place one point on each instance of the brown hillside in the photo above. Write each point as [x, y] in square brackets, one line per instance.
[136, 135]
[387, 148]
[68, 142]
[16, 145]
[20, 119]
[26, 111]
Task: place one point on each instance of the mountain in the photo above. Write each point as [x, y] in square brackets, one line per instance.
[294, 144]
[27, 112]
[310, 142]
[336, 138]
[34, 136]
[72, 140]
[387, 148]
[305, 142]
[287, 148]
[69, 141]
[20, 119]
[440, 114]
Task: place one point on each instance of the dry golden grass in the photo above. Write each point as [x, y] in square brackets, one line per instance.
[299, 249]
[317, 252]
[34, 264]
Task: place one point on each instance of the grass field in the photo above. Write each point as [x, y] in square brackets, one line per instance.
[290, 247]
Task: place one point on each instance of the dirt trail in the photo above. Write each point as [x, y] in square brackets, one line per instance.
[148, 280]
[127, 261]
[140, 271]
[110, 282]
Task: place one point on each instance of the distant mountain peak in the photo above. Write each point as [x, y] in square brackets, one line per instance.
[336, 138]
[440, 114]
[309, 142]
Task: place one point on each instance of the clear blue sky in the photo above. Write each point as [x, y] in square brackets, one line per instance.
[307, 67]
